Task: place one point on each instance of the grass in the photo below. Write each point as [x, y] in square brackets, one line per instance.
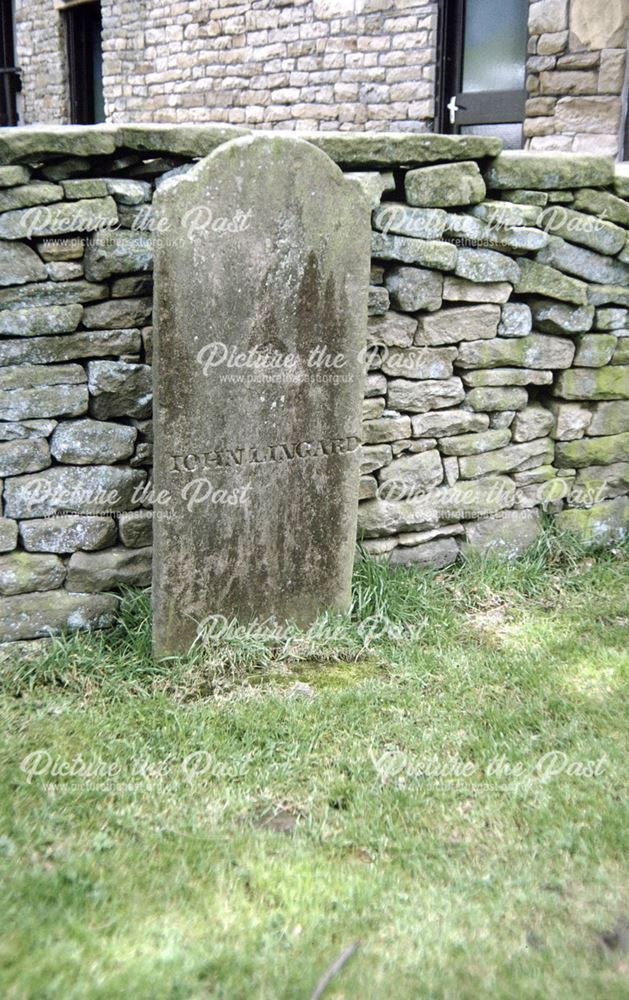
[438, 775]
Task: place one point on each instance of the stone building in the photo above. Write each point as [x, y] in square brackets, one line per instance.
[549, 74]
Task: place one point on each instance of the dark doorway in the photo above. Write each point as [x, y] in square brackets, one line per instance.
[85, 63]
[9, 74]
[482, 63]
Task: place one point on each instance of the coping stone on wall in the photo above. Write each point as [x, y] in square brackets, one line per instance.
[346, 148]
[185, 140]
[548, 171]
[29, 142]
[400, 148]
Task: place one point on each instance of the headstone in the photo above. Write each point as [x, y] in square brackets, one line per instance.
[261, 277]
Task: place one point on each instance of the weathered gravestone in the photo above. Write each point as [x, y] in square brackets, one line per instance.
[261, 274]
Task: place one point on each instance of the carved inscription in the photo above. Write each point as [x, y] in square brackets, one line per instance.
[243, 455]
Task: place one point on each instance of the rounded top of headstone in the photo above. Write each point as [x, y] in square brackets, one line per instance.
[274, 151]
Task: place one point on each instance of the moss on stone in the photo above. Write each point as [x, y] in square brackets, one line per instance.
[593, 451]
[611, 382]
[598, 525]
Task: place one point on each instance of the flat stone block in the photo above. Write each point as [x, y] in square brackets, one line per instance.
[136, 528]
[420, 223]
[51, 293]
[609, 418]
[414, 288]
[391, 330]
[21, 572]
[426, 253]
[30, 376]
[11, 176]
[555, 317]
[43, 401]
[593, 451]
[593, 383]
[17, 457]
[87, 344]
[451, 326]
[582, 263]
[518, 169]
[594, 350]
[19, 264]
[540, 279]
[20, 430]
[8, 534]
[386, 429]
[603, 204]
[535, 421]
[21, 144]
[118, 389]
[445, 185]
[510, 459]
[507, 376]
[35, 321]
[35, 193]
[33, 616]
[186, 140]
[446, 423]
[507, 535]
[118, 313]
[67, 533]
[475, 444]
[93, 572]
[538, 350]
[571, 420]
[491, 398]
[94, 489]
[431, 555]
[420, 397]
[602, 524]
[419, 362]
[360, 149]
[516, 320]
[85, 215]
[410, 475]
[486, 266]
[587, 230]
[86, 442]
[461, 290]
[109, 253]
[445, 504]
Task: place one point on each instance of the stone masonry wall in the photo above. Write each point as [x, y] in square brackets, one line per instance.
[498, 382]
[40, 54]
[576, 71]
[328, 64]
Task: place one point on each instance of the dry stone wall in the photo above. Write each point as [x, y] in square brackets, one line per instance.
[498, 381]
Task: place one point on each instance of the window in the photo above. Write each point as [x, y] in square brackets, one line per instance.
[9, 74]
[482, 61]
[85, 63]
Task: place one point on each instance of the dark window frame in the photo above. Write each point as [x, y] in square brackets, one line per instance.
[80, 22]
[493, 107]
[10, 81]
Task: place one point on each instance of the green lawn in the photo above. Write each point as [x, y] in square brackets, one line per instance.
[452, 795]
